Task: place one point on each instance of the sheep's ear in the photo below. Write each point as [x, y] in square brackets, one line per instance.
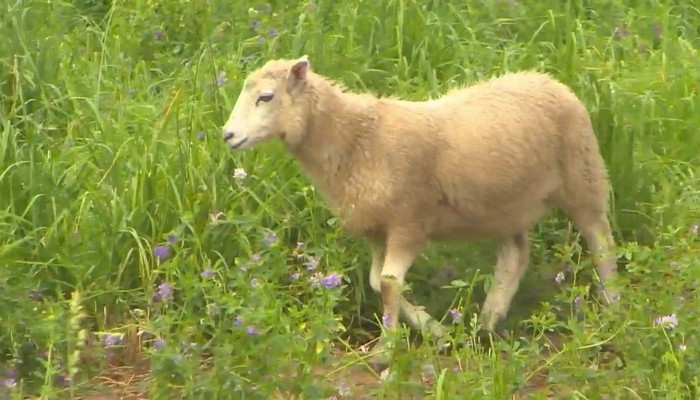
[299, 71]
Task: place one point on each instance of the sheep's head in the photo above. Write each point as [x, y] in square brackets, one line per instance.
[271, 104]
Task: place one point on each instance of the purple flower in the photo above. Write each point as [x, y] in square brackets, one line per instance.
[36, 294]
[207, 273]
[251, 330]
[667, 321]
[200, 135]
[311, 263]
[159, 34]
[238, 321]
[164, 293]
[294, 276]
[158, 344]
[621, 32]
[161, 252]
[255, 257]
[111, 339]
[60, 380]
[270, 238]
[456, 315]
[172, 239]
[221, 79]
[273, 32]
[387, 320]
[254, 24]
[331, 281]
[448, 272]
[577, 303]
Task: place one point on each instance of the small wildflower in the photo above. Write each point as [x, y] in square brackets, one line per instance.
[577, 302]
[213, 310]
[60, 380]
[158, 344]
[251, 330]
[331, 281]
[239, 174]
[273, 32]
[36, 294]
[694, 229]
[111, 339]
[238, 321]
[456, 315]
[448, 272]
[161, 252]
[294, 276]
[200, 135]
[214, 217]
[311, 263]
[253, 282]
[315, 279]
[682, 347]
[221, 78]
[560, 277]
[159, 34]
[387, 320]
[261, 39]
[621, 32]
[270, 238]
[164, 293]
[207, 273]
[254, 24]
[667, 321]
[172, 239]
[255, 257]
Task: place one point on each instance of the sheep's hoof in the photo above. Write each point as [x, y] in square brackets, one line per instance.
[380, 355]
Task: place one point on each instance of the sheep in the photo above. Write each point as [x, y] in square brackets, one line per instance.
[483, 161]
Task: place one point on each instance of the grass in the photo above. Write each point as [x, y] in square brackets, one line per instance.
[141, 258]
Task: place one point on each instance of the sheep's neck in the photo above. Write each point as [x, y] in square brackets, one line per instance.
[335, 142]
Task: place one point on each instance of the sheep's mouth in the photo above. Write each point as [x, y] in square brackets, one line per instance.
[239, 144]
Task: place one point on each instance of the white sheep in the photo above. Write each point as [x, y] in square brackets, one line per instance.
[482, 161]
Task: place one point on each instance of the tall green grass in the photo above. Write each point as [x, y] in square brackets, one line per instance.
[110, 155]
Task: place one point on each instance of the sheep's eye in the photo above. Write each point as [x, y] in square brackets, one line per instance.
[264, 97]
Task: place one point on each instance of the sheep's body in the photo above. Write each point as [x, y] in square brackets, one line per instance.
[482, 161]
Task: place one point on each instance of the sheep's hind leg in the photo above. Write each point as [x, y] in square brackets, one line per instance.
[399, 255]
[513, 258]
[595, 228]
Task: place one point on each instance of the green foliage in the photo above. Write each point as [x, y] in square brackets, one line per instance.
[110, 156]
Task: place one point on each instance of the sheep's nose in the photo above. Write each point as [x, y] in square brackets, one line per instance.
[228, 136]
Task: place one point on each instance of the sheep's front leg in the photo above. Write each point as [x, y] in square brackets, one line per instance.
[399, 254]
[512, 262]
[415, 315]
